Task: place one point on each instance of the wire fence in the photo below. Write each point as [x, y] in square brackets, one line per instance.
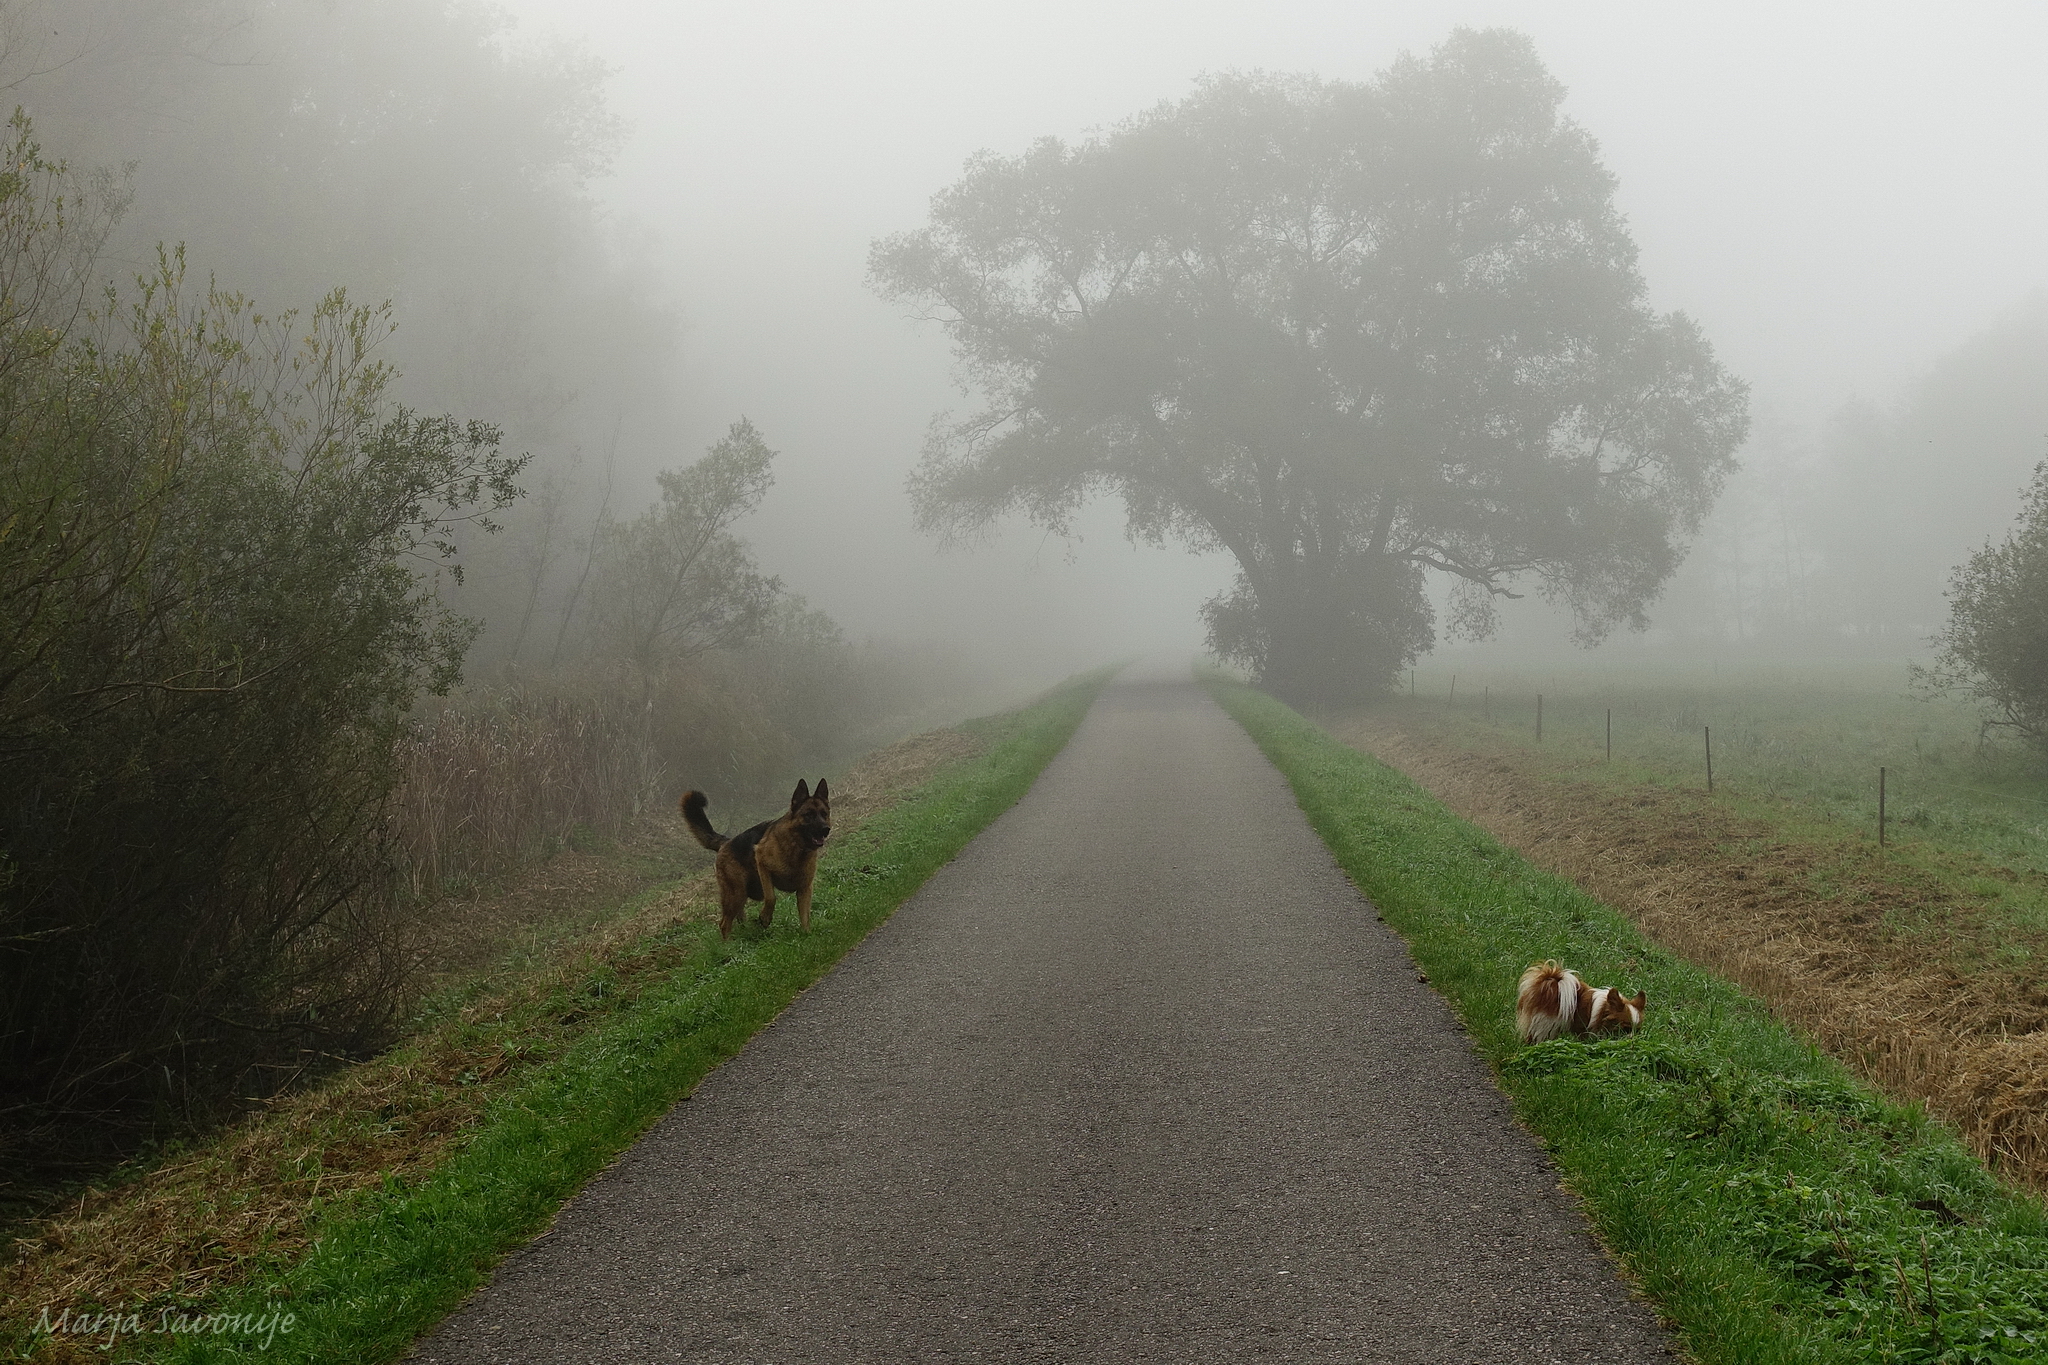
[1718, 765]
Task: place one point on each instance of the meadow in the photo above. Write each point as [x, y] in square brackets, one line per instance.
[1807, 739]
[1922, 963]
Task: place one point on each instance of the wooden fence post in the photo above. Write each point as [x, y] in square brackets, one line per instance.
[1710, 757]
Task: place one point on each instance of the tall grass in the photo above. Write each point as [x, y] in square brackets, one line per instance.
[505, 774]
[508, 771]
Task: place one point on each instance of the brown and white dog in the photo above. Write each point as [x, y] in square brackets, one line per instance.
[1554, 1003]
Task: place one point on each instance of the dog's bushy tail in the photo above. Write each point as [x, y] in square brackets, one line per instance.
[699, 823]
[1541, 1014]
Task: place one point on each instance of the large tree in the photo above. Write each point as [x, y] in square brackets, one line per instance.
[1348, 332]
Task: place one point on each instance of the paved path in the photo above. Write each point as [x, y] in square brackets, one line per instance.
[1137, 1077]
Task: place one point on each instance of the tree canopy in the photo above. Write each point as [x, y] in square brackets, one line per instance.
[1348, 332]
[1995, 646]
[433, 153]
[675, 580]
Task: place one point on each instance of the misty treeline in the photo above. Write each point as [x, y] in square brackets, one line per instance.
[1844, 534]
[245, 562]
[415, 153]
[1386, 345]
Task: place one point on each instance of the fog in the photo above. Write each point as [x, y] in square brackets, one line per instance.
[1843, 195]
[279, 706]
[1848, 198]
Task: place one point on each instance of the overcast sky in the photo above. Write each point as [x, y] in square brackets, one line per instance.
[1838, 192]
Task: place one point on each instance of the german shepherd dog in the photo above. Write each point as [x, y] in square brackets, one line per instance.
[775, 855]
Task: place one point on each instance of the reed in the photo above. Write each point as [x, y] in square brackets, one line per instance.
[509, 774]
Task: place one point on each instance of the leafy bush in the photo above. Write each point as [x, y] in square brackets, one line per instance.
[214, 545]
[1995, 647]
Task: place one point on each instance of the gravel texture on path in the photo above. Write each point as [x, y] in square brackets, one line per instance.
[1137, 1077]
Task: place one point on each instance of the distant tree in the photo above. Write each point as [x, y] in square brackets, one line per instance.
[1995, 646]
[675, 581]
[1349, 333]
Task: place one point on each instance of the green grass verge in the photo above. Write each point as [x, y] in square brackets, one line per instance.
[1775, 1208]
[388, 1266]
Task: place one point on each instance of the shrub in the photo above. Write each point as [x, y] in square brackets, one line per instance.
[1995, 646]
[214, 538]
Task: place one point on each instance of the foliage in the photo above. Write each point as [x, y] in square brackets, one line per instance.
[1995, 646]
[216, 554]
[438, 153]
[1349, 333]
[675, 582]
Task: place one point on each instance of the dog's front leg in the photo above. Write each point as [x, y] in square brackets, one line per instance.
[803, 907]
[767, 894]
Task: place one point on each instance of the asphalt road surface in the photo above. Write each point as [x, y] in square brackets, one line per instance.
[1137, 1077]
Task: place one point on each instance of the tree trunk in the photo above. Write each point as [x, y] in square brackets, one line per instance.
[1338, 637]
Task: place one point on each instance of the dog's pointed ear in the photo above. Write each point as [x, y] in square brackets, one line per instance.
[1642, 1000]
[821, 793]
[800, 795]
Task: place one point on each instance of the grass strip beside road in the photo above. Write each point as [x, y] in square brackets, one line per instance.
[1775, 1208]
[391, 1263]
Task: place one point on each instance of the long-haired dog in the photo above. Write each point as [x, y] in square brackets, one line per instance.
[1553, 1003]
[775, 855]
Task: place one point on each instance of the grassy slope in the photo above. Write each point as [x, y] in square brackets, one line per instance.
[390, 1264]
[1761, 1196]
